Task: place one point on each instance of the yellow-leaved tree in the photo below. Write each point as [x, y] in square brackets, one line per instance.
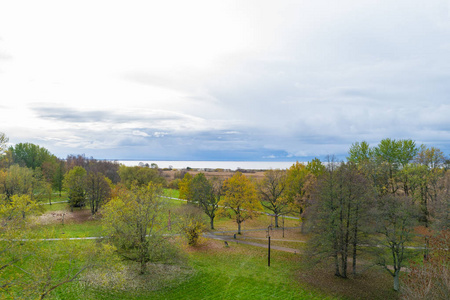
[134, 220]
[240, 200]
[183, 186]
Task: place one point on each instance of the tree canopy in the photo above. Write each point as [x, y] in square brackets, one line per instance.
[240, 199]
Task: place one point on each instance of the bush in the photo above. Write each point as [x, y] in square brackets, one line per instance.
[191, 223]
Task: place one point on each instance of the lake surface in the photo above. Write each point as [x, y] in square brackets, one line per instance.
[232, 165]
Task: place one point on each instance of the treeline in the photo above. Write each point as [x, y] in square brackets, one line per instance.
[28, 169]
[377, 202]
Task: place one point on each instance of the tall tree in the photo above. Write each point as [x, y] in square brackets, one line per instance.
[75, 183]
[30, 155]
[184, 187]
[240, 199]
[340, 211]
[300, 184]
[391, 155]
[58, 177]
[206, 195]
[396, 217]
[272, 189]
[133, 221]
[360, 153]
[98, 190]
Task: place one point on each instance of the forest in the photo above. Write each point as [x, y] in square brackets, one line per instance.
[381, 216]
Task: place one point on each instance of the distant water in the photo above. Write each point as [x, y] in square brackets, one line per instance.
[232, 165]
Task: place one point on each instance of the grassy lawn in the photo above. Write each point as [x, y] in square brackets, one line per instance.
[56, 207]
[262, 221]
[235, 272]
[75, 230]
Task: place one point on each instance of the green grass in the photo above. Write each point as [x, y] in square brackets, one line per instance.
[171, 193]
[236, 272]
[86, 229]
[56, 207]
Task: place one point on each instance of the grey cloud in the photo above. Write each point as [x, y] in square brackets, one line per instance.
[78, 116]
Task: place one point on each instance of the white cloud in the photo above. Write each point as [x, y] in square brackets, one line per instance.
[299, 78]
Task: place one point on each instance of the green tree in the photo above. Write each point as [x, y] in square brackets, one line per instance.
[75, 182]
[391, 155]
[14, 227]
[16, 180]
[140, 176]
[396, 217]
[272, 189]
[206, 195]
[58, 177]
[360, 153]
[133, 221]
[30, 155]
[316, 167]
[240, 199]
[98, 190]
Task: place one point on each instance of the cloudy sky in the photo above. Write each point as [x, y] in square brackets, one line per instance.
[223, 80]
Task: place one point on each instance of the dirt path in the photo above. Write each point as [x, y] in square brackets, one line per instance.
[57, 216]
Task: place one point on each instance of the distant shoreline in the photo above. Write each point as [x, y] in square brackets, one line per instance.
[226, 165]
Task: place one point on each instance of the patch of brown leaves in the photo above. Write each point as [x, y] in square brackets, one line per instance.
[77, 216]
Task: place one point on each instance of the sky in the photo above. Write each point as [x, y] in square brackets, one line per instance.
[223, 80]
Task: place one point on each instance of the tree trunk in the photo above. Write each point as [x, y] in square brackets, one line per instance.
[355, 241]
[239, 228]
[212, 222]
[336, 264]
[276, 221]
[143, 266]
[336, 260]
[396, 280]
[354, 256]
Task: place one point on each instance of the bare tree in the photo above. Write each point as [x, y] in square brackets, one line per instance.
[339, 215]
[97, 191]
[272, 191]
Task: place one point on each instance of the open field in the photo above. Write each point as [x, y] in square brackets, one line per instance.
[171, 174]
